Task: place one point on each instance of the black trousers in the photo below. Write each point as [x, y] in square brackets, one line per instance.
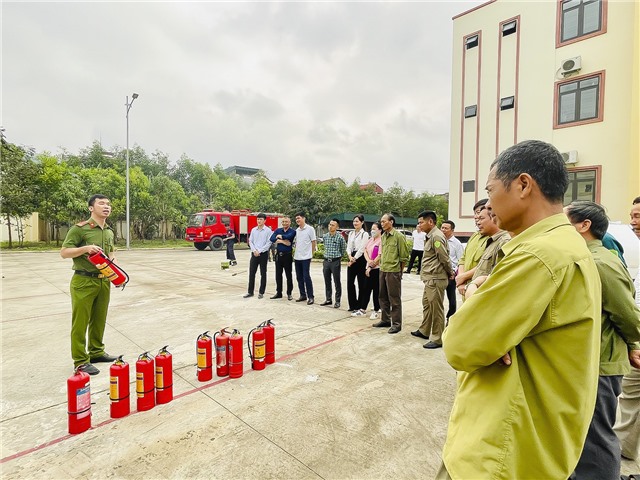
[230, 253]
[284, 263]
[356, 272]
[253, 268]
[600, 458]
[415, 254]
[331, 268]
[451, 297]
[372, 285]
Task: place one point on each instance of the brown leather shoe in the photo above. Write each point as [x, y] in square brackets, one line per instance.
[381, 324]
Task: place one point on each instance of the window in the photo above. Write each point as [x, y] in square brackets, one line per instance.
[471, 42]
[582, 186]
[579, 101]
[507, 102]
[579, 18]
[509, 28]
[470, 111]
[469, 186]
[210, 220]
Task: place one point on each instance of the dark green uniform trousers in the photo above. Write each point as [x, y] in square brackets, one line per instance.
[89, 305]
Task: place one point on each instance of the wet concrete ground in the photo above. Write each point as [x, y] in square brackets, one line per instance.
[343, 400]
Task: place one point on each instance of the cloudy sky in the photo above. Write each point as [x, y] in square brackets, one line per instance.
[301, 90]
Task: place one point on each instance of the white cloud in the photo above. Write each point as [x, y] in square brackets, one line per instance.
[303, 90]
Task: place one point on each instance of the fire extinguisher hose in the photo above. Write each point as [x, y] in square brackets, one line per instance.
[111, 262]
[249, 343]
[81, 411]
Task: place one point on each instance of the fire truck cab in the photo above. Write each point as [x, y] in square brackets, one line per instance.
[209, 228]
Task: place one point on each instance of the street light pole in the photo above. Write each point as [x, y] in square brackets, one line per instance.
[128, 107]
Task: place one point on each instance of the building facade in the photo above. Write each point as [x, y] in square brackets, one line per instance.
[562, 71]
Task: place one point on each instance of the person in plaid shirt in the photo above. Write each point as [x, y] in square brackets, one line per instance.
[334, 249]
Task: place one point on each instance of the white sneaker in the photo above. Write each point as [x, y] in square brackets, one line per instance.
[357, 313]
[374, 315]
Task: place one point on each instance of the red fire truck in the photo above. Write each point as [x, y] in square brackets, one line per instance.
[209, 228]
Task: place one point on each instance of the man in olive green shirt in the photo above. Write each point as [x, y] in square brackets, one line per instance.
[90, 290]
[394, 254]
[600, 459]
[434, 273]
[526, 416]
[472, 252]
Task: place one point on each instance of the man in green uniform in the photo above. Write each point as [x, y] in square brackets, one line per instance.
[434, 273]
[90, 291]
[526, 416]
[600, 459]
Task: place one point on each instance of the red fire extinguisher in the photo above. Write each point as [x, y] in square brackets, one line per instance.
[203, 355]
[256, 354]
[269, 329]
[79, 402]
[235, 354]
[119, 391]
[164, 376]
[221, 340]
[113, 272]
[145, 382]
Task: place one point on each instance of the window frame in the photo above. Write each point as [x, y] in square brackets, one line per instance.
[471, 108]
[472, 41]
[506, 29]
[579, 38]
[507, 103]
[599, 105]
[597, 179]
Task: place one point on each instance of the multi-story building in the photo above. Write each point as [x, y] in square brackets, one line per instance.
[562, 71]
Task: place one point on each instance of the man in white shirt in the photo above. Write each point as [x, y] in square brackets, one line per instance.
[419, 237]
[455, 253]
[305, 246]
[259, 243]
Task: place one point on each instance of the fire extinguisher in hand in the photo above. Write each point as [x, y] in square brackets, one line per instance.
[79, 402]
[145, 384]
[203, 355]
[221, 341]
[109, 269]
[119, 391]
[235, 354]
[256, 338]
[164, 376]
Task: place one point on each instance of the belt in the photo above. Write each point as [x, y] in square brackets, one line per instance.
[89, 274]
[333, 259]
[284, 253]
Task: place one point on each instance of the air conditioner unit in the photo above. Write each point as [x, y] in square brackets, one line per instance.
[571, 65]
[570, 157]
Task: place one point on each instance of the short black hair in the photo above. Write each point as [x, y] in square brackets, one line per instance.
[262, 215]
[480, 203]
[300, 214]
[541, 160]
[636, 200]
[97, 196]
[450, 222]
[428, 214]
[581, 210]
[335, 220]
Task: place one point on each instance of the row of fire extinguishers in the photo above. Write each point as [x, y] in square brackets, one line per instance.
[154, 385]
[261, 343]
[154, 376]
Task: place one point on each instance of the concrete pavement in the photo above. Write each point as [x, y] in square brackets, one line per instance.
[343, 400]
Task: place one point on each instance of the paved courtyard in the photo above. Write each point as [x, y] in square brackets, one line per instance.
[343, 400]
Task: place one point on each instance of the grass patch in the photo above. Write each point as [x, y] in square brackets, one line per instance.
[120, 245]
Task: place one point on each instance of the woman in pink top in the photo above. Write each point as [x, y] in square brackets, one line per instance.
[372, 271]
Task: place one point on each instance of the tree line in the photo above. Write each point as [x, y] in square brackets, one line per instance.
[163, 193]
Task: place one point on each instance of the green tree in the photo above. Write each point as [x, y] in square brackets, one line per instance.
[19, 187]
[167, 200]
[62, 199]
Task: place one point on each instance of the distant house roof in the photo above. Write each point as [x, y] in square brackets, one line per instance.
[376, 188]
[247, 173]
[332, 180]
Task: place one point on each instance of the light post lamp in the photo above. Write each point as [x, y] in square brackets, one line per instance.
[128, 107]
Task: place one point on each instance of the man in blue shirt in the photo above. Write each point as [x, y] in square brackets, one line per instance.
[334, 248]
[283, 239]
[259, 243]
